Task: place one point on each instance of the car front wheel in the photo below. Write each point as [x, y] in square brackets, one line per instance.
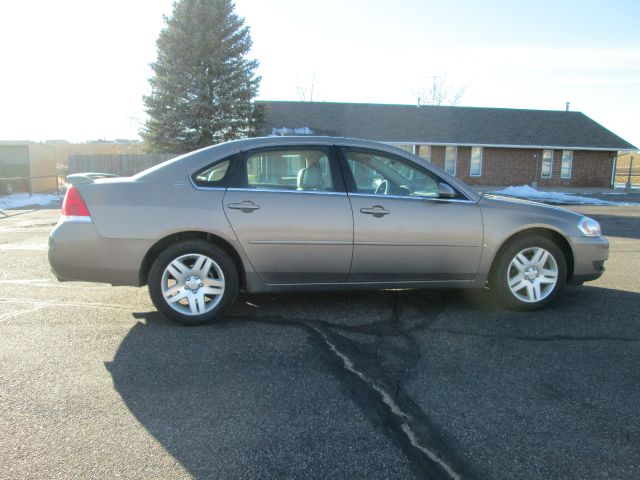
[193, 282]
[530, 273]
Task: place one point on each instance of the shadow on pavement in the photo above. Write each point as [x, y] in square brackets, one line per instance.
[256, 396]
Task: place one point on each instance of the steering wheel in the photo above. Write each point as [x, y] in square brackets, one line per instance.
[382, 188]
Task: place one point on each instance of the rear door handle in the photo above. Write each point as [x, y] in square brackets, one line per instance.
[377, 211]
[247, 206]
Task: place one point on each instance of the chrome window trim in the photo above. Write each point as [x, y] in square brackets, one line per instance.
[276, 190]
[404, 197]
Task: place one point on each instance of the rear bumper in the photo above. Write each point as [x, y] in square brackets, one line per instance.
[589, 256]
[78, 253]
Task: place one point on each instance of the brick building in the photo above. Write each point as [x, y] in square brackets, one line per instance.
[481, 146]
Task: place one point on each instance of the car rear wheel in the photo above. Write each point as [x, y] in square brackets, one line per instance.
[193, 282]
[530, 272]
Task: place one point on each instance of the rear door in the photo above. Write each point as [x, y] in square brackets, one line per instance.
[289, 209]
[402, 230]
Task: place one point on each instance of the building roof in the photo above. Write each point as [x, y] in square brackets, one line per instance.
[440, 125]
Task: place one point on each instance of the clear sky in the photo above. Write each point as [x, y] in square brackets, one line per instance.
[77, 69]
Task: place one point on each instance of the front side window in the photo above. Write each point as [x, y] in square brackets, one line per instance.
[450, 155]
[475, 169]
[296, 169]
[376, 173]
[547, 163]
[565, 166]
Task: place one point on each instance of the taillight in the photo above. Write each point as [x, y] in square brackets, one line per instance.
[73, 205]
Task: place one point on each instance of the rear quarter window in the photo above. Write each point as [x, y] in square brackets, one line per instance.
[213, 175]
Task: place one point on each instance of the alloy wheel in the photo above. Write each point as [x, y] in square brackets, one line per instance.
[532, 274]
[192, 284]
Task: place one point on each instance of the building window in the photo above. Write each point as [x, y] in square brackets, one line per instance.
[565, 166]
[424, 152]
[547, 163]
[475, 169]
[406, 148]
[450, 160]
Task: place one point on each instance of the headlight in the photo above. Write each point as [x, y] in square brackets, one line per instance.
[589, 227]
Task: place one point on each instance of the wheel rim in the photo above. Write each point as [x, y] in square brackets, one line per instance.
[532, 275]
[193, 284]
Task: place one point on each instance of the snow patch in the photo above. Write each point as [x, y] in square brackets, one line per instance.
[525, 191]
[18, 200]
[278, 132]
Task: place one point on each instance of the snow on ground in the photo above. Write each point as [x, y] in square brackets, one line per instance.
[525, 191]
[18, 200]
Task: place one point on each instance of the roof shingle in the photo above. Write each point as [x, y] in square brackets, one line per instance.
[442, 125]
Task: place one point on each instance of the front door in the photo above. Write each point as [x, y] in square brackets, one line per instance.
[402, 230]
[291, 215]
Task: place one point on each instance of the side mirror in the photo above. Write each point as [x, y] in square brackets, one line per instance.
[445, 191]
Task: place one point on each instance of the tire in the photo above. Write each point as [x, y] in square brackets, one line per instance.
[529, 273]
[193, 282]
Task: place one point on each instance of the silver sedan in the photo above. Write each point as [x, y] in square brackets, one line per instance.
[310, 213]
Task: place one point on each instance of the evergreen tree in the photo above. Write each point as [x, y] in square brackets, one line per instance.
[203, 87]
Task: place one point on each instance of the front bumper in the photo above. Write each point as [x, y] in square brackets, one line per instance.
[78, 253]
[589, 256]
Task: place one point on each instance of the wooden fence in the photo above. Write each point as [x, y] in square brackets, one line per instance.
[122, 165]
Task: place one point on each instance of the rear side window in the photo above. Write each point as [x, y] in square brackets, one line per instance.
[214, 175]
[306, 169]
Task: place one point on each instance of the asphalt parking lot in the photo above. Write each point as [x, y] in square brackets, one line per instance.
[378, 385]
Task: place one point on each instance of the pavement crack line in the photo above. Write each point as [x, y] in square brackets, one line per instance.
[403, 420]
[379, 393]
[31, 309]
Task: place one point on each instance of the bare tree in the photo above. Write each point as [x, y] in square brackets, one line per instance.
[440, 92]
[305, 87]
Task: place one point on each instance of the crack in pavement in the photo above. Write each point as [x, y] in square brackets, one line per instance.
[435, 462]
[373, 361]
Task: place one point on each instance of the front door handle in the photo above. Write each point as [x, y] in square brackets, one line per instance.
[247, 206]
[377, 211]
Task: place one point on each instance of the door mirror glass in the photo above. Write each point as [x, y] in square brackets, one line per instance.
[445, 191]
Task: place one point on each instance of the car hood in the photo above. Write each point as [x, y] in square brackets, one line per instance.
[512, 201]
[516, 214]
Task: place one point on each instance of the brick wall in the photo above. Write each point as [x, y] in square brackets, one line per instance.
[437, 156]
[516, 166]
